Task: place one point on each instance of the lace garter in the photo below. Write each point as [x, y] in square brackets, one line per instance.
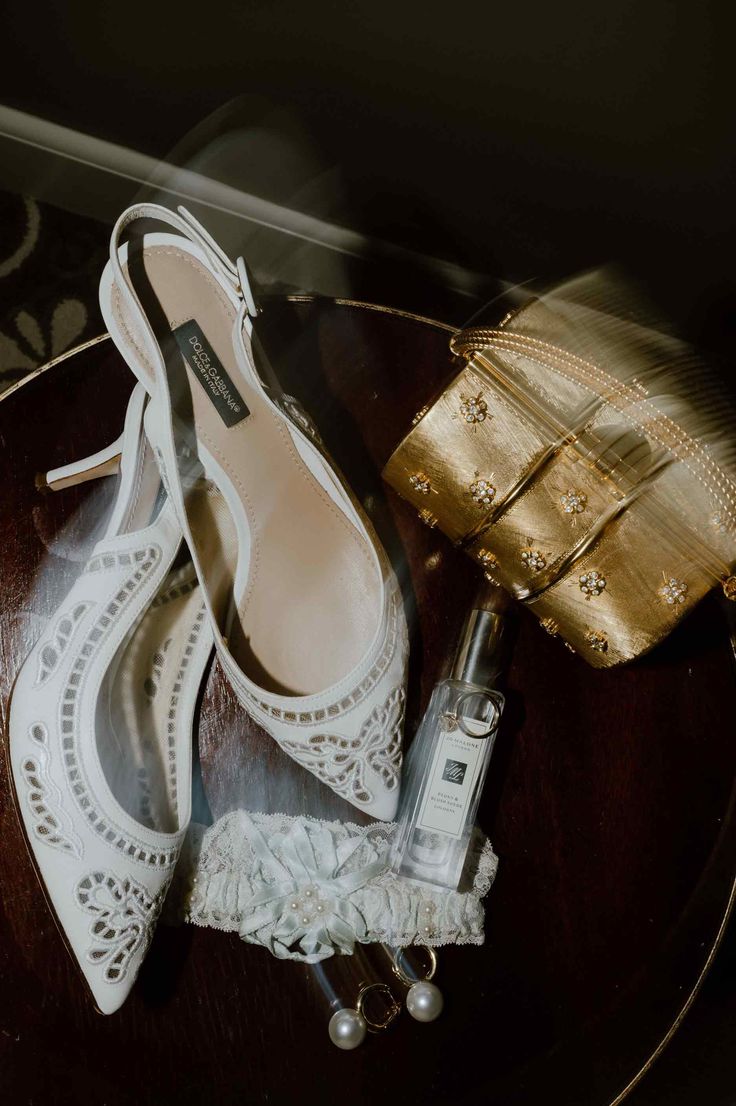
[306, 889]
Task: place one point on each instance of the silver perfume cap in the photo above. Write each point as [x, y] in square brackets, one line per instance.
[485, 642]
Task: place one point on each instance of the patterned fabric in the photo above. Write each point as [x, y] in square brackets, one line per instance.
[306, 889]
[50, 264]
[123, 919]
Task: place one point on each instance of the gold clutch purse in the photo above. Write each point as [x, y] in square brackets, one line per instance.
[586, 462]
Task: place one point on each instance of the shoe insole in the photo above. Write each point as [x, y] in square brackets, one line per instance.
[309, 607]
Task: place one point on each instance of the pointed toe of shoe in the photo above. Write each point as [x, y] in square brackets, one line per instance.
[107, 922]
[108, 998]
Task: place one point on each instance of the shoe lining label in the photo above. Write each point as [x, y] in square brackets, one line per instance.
[211, 373]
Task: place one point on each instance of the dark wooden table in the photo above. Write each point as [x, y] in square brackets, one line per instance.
[610, 805]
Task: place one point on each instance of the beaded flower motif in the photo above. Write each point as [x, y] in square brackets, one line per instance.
[490, 563]
[573, 502]
[421, 483]
[473, 409]
[303, 905]
[533, 560]
[482, 491]
[592, 583]
[673, 591]
[597, 641]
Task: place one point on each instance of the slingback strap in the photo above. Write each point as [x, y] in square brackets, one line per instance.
[235, 273]
[245, 288]
[186, 224]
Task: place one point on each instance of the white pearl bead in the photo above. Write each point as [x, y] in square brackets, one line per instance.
[424, 1001]
[347, 1029]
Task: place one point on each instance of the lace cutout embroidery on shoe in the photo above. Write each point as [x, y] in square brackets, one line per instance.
[60, 640]
[395, 628]
[176, 591]
[51, 823]
[144, 793]
[171, 723]
[136, 850]
[341, 762]
[124, 916]
[105, 561]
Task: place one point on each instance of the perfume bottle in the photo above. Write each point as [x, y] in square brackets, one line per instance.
[450, 754]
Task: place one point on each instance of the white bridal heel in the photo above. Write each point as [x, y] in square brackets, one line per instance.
[304, 609]
[101, 724]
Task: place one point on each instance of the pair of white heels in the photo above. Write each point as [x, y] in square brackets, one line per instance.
[286, 579]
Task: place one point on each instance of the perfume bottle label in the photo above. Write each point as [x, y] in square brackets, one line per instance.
[457, 763]
[211, 373]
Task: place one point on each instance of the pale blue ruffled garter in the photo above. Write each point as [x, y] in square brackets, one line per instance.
[306, 889]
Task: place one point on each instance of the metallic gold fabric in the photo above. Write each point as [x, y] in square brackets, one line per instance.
[572, 489]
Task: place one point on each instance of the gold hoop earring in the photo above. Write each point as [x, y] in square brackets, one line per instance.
[424, 1000]
[393, 1008]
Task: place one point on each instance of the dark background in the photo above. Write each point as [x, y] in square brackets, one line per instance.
[520, 141]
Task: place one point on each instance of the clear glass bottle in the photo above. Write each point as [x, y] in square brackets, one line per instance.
[451, 751]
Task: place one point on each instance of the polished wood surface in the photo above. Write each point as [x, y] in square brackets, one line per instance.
[609, 804]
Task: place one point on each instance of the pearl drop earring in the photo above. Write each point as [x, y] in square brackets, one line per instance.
[347, 1028]
[424, 1000]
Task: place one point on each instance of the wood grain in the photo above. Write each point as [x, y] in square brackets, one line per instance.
[610, 806]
